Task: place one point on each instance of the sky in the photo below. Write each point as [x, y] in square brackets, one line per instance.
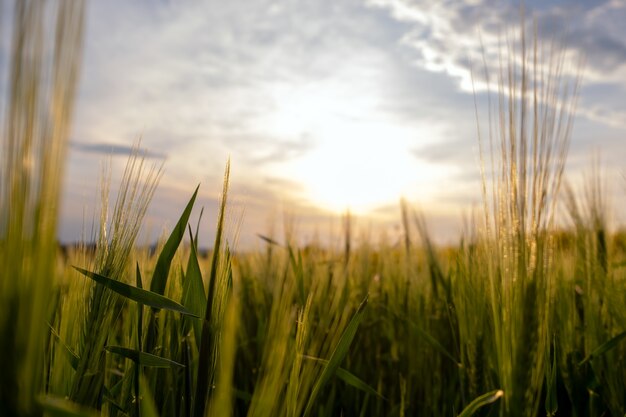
[321, 106]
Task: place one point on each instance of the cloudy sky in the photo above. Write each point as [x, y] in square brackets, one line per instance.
[322, 105]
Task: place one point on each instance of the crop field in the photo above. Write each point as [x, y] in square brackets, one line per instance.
[524, 316]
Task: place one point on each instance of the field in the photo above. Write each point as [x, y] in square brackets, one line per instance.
[525, 316]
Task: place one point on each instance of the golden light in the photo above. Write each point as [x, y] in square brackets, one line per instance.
[357, 160]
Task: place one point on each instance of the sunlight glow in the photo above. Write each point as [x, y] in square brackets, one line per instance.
[356, 162]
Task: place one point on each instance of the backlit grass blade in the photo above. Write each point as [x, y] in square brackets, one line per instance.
[336, 357]
[551, 387]
[205, 368]
[356, 382]
[481, 401]
[148, 406]
[194, 296]
[61, 407]
[40, 62]
[143, 358]
[298, 271]
[139, 284]
[136, 294]
[198, 226]
[349, 378]
[602, 349]
[108, 397]
[72, 357]
[114, 247]
[162, 268]
[268, 240]
[110, 394]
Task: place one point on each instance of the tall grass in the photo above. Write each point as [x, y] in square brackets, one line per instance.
[115, 243]
[34, 139]
[531, 132]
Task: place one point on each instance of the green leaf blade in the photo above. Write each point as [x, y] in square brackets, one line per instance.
[605, 347]
[72, 357]
[194, 296]
[336, 357]
[206, 368]
[162, 268]
[481, 401]
[61, 407]
[145, 297]
[148, 405]
[349, 378]
[143, 358]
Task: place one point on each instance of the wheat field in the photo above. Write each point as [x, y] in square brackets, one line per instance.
[525, 316]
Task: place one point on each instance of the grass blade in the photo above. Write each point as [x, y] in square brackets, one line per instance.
[194, 296]
[108, 397]
[356, 382]
[71, 355]
[481, 401]
[143, 358]
[136, 294]
[434, 343]
[336, 357]
[61, 407]
[428, 338]
[349, 378]
[39, 72]
[268, 240]
[205, 369]
[162, 268]
[195, 241]
[148, 408]
[551, 403]
[298, 271]
[139, 284]
[605, 347]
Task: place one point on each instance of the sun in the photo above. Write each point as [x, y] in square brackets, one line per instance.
[358, 160]
[358, 166]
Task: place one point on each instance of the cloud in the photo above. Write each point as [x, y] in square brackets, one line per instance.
[207, 77]
[445, 34]
[271, 83]
[446, 37]
[114, 150]
[260, 150]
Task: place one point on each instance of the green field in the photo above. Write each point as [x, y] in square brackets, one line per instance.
[525, 316]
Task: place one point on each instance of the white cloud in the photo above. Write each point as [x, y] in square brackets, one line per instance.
[260, 81]
[447, 38]
[254, 80]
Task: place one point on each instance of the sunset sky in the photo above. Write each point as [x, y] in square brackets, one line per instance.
[322, 105]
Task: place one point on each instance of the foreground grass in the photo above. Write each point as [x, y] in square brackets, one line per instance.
[517, 320]
[42, 82]
[290, 333]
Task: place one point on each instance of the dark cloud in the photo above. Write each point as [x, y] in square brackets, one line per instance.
[445, 34]
[114, 150]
